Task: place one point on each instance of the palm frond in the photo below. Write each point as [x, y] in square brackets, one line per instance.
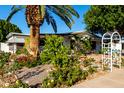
[64, 11]
[71, 10]
[61, 15]
[50, 20]
[14, 10]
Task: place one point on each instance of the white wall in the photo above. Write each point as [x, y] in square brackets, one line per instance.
[4, 47]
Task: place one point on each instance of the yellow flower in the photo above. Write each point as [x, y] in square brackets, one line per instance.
[52, 80]
[6, 84]
[17, 81]
[48, 84]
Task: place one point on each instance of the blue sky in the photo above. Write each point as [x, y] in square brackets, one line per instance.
[19, 20]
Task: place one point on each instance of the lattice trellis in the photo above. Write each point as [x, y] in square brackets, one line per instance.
[111, 47]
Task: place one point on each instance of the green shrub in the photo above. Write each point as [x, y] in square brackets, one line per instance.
[4, 57]
[64, 77]
[101, 51]
[22, 51]
[92, 69]
[19, 84]
[55, 52]
[25, 61]
[88, 62]
[33, 63]
[67, 70]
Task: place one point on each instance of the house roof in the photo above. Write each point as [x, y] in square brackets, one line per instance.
[17, 34]
[21, 34]
[82, 33]
[22, 40]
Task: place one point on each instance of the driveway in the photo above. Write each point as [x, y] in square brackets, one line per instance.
[113, 79]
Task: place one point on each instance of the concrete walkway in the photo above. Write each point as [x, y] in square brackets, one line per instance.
[113, 79]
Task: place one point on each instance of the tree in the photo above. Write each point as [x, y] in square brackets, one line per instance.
[35, 16]
[6, 28]
[100, 19]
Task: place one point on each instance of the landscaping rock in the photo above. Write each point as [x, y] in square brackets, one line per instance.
[34, 76]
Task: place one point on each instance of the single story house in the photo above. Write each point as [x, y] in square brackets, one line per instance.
[16, 41]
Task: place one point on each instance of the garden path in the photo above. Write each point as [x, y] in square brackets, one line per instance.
[113, 79]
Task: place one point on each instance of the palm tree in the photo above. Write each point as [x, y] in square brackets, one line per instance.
[35, 16]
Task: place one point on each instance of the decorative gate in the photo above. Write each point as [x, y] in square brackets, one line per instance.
[111, 47]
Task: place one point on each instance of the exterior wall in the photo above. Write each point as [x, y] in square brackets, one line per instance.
[17, 39]
[20, 39]
[4, 47]
[8, 47]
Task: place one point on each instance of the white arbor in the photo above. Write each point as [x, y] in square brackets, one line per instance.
[111, 47]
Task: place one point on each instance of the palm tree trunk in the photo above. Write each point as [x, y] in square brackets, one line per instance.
[34, 40]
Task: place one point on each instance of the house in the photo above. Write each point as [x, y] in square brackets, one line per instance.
[16, 41]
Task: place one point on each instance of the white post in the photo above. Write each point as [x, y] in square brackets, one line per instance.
[15, 47]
